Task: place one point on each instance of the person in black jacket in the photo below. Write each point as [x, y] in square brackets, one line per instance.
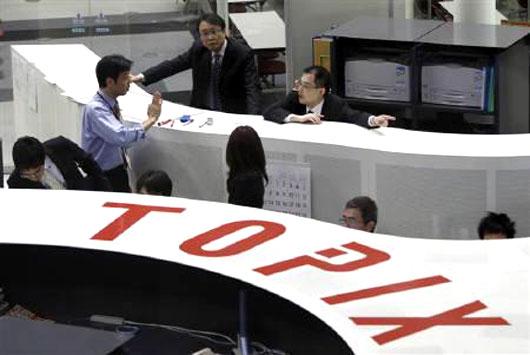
[246, 160]
[311, 102]
[59, 163]
[224, 73]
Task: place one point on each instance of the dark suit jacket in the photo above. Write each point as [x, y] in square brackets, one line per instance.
[333, 109]
[239, 86]
[69, 159]
[246, 189]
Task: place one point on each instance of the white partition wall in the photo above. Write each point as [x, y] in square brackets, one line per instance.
[427, 185]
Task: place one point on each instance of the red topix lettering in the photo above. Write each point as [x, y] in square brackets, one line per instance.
[132, 215]
[372, 257]
[386, 289]
[195, 245]
[412, 325]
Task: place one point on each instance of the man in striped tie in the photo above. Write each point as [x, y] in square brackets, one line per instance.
[104, 135]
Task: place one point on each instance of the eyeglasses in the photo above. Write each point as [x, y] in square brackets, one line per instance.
[298, 84]
[347, 220]
[213, 32]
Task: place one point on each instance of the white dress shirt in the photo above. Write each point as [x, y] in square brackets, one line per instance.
[52, 175]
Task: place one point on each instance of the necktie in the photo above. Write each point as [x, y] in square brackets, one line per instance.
[117, 113]
[216, 74]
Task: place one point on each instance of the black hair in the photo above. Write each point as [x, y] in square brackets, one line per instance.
[28, 152]
[496, 223]
[155, 182]
[212, 19]
[111, 66]
[322, 76]
[244, 152]
[367, 206]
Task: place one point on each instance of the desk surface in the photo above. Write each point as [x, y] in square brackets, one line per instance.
[261, 30]
[379, 28]
[475, 35]
[427, 31]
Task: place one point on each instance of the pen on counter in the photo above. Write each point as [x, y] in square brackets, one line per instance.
[188, 122]
[164, 122]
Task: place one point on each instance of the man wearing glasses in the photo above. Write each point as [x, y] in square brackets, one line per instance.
[223, 70]
[360, 213]
[311, 102]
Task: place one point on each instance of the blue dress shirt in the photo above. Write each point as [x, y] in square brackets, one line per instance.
[103, 135]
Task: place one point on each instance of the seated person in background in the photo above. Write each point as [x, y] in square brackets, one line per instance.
[360, 213]
[246, 162]
[311, 102]
[154, 182]
[223, 70]
[496, 226]
[59, 163]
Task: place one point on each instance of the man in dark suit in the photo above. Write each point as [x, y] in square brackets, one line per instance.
[311, 102]
[59, 163]
[223, 70]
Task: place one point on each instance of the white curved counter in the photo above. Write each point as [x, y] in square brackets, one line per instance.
[382, 294]
[427, 185]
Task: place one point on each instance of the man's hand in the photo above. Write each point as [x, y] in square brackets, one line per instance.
[382, 120]
[155, 107]
[153, 110]
[138, 78]
[307, 118]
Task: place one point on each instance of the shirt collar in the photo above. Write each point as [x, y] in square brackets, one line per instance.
[109, 100]
[316, 109]
[222, 51]
[47, 162]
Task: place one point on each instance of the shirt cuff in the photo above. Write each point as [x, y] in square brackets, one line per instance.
[140, 131]
[288, 118]
[142, 77]
[371, 122]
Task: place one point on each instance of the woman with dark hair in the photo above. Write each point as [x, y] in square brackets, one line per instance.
[246, 162]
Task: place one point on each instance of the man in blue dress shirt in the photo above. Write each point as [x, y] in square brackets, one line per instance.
[104, 135]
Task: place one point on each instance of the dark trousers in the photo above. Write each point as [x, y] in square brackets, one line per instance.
[118, 178]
